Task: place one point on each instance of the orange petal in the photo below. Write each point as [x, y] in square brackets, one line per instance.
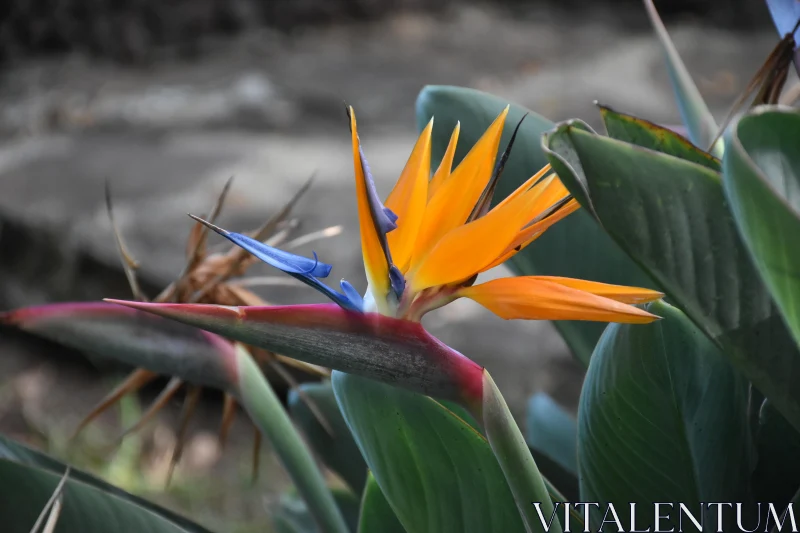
[619, 293]
[455, 198]
[550, 192]
[530, 183]
[535, 230]
[408, 198]
[375, 263]
[536, 299]
[530, 233]
[553, 191]
[467, 249]
[443, 172]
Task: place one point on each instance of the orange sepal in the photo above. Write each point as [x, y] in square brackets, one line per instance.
[530, 298]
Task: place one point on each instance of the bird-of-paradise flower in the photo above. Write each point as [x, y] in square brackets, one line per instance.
[423, 248]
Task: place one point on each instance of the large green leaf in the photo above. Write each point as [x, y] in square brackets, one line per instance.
[662, 419]
[671, 216]
[646, 134]
[28, 479]
[438, 474]
[575, 247]
[376, 513]
[337, 449]
[762, 181]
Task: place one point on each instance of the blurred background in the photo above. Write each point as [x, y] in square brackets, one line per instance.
[168, 99]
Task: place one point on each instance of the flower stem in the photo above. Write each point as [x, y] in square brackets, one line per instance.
[515, 459]
[265, 409]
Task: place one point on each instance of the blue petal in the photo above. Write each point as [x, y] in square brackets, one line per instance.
[383, 217]
[397, 281]
[392, 217]
[385, 220]
[785, 14]
[288, 262]
[299, 267]
[352, 294]
[351, 302]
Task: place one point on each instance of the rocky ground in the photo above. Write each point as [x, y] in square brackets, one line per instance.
[267, 109]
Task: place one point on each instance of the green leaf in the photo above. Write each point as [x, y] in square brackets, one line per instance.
[266, 411]
[694, 111]
[662, 419]
[377, 515]
[339, 451]
[293, 516]
[671, 216]
[28, 479]
[777, 475]
[438, 474]
[640, 132]
[762, 182]
[463, 414]
[575, 247]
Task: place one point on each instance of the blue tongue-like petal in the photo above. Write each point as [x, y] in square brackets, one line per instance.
[392, 218]
[302, 268]
[397, 281]
[385, 220]
[286, 261]
[351, 293]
